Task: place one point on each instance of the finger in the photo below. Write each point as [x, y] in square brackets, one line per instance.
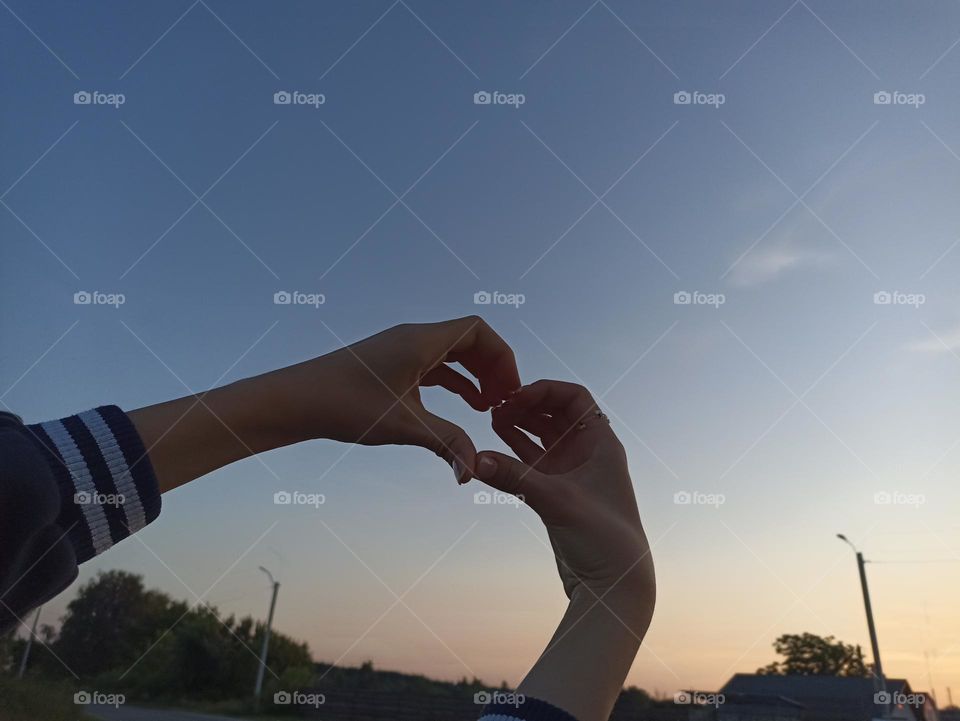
[512, 476]
[547, 428]
[446, 377]
[478, 348]
[570, 400]
[542, 425]
[519, 442]
[450, 442]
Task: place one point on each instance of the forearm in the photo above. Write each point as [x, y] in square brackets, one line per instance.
[191, 436]
[584, 666]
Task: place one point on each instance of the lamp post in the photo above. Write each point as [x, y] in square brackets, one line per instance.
[880, 681]
[26, 650]
[266, 638]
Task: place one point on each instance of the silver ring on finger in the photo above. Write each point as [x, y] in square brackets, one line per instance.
[598, 417]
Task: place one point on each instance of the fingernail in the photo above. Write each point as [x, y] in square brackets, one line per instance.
[457, 470]
[486, 468]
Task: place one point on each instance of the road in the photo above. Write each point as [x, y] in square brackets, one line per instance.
[135, 713]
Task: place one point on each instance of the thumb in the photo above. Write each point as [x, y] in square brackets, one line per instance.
[512, 476]
[451, 443]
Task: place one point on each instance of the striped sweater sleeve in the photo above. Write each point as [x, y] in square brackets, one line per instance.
[107, 486]
[516, 707]
[69, 489]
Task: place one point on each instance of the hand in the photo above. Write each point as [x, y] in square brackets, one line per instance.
[366, 393]
[369, 392]
[578, 483]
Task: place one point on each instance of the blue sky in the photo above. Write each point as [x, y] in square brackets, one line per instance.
[795, 200]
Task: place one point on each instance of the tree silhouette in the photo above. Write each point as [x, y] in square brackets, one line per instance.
[807, 654]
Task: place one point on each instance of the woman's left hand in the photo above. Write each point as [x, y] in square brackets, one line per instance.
[369, 392]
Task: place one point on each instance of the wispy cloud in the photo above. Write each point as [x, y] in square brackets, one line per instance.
[946, 342]
[765, 264]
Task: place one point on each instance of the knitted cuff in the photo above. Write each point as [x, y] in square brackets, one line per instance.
[108, 489]
[523, 709]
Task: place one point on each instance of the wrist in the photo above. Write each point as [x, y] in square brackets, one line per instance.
[630, 616]
[282, 407]
[630, 601]
[258, 411]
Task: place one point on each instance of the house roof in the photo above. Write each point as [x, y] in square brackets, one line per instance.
[750, 699]
[824, 697]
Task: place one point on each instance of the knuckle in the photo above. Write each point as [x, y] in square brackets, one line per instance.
[437, 446]
[578, 389]
[475, 323]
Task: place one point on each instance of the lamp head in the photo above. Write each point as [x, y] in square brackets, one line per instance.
[269, 575]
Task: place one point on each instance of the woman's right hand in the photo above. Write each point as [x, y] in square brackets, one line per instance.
[578, 483]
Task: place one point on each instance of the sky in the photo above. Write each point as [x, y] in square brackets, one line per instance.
[736, 223]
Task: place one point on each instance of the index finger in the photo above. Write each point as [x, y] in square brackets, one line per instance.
[477, 347]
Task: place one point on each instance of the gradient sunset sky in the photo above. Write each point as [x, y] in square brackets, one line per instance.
[789, 392]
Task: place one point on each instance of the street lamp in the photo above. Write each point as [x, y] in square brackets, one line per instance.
[880, 681]
[26, 650]
[266, 637]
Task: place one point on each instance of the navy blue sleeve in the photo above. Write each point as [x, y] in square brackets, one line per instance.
[69, 490]
[516, 707]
